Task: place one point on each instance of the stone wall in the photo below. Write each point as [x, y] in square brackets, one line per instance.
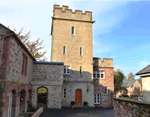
[4, 102]
[64, 12]
[14, 64]
[50, 76]
[1, 50]
[99, 88]
[63, 21]
[11, 79]
[105, 66]
[70, 92]
[131, 108]
[106, 62]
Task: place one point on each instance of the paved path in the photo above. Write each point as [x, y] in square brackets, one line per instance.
[78, 112]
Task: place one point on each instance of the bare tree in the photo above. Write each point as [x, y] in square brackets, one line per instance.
[34, 47]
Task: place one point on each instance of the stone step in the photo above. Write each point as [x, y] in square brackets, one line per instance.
[78, 106]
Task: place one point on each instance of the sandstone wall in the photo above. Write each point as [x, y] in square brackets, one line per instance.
[49, 76]
[105, 66]
[99, 87]
[131, 108]
[15, 61]
[64, 12]
[4, 104]
[71, 89]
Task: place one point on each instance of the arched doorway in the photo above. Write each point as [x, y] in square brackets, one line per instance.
[14, 99]
[78, 95]
[22, 102]
[42, 93]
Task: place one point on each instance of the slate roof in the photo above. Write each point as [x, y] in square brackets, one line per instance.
[140, 81]
[125, 83]
[128, 83]
[144, 70]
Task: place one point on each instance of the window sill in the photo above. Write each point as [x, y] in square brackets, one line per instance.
[96, 103]
[66, 74]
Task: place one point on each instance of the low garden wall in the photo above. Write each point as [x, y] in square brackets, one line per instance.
[131, 108]
[38, 112]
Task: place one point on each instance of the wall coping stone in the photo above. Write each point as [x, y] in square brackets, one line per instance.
[48, 63]
[38, 112]
[131, 100]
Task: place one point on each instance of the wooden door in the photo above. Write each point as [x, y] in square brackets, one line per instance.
[78, 97]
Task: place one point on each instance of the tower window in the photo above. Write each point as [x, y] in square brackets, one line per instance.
[64, 50]
[72, 31]
[80, 50]
[80, 70]
[64, 93]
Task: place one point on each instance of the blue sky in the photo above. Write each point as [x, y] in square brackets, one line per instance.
[121, 30]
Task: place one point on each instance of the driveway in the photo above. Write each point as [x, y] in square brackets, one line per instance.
[78, 112]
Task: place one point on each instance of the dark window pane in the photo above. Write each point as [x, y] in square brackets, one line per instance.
[68, 70]
[72, 30]
[97, 75]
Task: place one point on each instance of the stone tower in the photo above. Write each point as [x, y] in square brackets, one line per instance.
[72, 43]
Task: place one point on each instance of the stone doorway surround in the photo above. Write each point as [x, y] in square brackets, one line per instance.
[42, 93]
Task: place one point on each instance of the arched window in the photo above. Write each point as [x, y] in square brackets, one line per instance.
[73, 30]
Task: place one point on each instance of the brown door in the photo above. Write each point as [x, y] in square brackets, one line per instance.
[78, 97]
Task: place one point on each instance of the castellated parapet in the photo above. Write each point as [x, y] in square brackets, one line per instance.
[106, 62]
[65, 13]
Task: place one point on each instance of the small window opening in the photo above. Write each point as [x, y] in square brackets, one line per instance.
[72, 30]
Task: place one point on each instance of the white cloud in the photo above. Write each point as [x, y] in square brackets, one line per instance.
[125, 70]
[135, 69]
[35, 15]
[99, 48]
[143, 63]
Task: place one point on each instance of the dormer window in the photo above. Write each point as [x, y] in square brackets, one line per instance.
[73, 31]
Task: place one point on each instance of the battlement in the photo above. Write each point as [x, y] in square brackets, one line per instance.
[66, 13]
[106, 62]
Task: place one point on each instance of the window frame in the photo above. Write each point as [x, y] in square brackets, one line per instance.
[97, 74]
[64, 50]
[64, 95]
[97, 94]
[105, 90]
[72, 30]
[24, 64]
[66, 68]
[102, 72]
[81, 51]
[137, 87]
